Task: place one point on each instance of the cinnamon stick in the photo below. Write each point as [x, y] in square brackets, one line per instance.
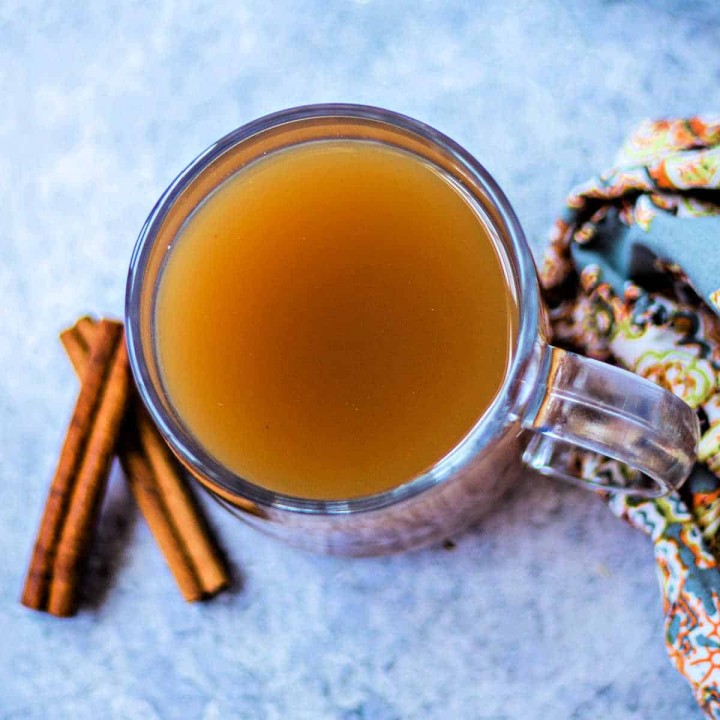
[181, 509]
[79, 481]
[144, 488]
[160, 491]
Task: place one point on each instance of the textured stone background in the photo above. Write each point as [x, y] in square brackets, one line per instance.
[550, 609]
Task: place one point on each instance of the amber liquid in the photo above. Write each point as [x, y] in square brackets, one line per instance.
[333, 320]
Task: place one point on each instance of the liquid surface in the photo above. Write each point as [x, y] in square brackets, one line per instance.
[332, 320]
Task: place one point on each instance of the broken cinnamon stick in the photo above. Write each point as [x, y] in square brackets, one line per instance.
[80, 478]
[159, 489]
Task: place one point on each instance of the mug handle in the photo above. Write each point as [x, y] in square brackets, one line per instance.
[586, 405]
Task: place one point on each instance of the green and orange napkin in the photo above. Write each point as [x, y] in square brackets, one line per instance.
[632, 276]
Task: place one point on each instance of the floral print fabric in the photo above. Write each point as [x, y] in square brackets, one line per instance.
[668, 332]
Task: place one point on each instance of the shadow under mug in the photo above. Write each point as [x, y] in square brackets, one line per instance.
[551, 404]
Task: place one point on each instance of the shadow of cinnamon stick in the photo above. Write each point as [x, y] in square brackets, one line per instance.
[109, 550]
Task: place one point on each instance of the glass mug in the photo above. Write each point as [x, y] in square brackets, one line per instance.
[551, 402]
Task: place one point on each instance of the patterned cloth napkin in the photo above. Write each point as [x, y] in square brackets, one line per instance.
[632, 276]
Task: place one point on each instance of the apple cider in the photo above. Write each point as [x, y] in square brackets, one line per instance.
[333, 319]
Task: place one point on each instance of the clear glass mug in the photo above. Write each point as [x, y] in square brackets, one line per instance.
[551, 402]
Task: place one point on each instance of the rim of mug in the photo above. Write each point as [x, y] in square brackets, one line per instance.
[488, 426]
